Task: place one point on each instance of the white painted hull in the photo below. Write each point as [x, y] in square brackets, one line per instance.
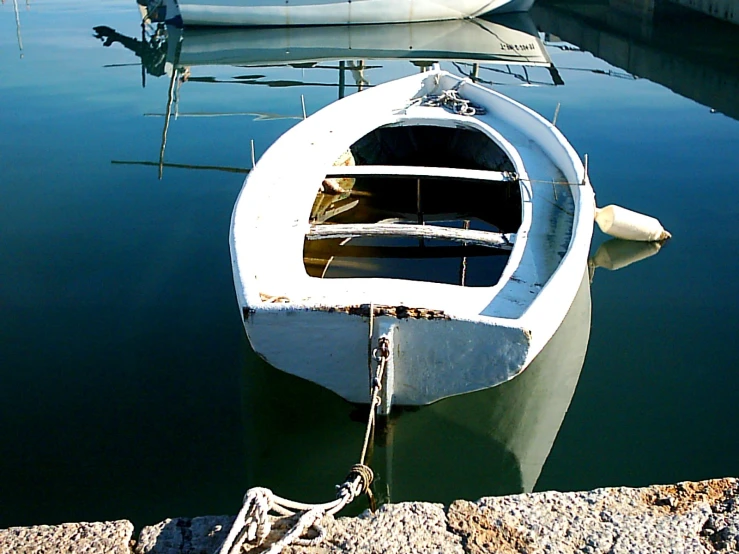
[500, 437]
[487, 335]
[512, 40]
[336, 12]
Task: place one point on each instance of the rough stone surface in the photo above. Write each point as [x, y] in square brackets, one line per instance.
[687, 518]
[656, 519]
[182, 535]
[110, 537]
[410, 527]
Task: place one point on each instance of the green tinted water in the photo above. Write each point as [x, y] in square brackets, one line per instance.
[127, 387]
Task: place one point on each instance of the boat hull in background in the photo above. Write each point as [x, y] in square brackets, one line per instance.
[331, 12]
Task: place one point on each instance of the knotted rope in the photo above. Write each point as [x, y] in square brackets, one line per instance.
[451, 100]
[253, 525]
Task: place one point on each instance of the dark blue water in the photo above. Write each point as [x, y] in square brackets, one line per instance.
[127, 386]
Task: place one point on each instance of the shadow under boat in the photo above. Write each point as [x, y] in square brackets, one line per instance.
[492, 442]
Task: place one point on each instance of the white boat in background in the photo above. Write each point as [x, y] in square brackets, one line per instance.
[511, 39]
[389, 173]
[288, 13]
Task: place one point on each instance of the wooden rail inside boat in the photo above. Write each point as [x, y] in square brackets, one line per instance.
[419, 172]
[353, 230]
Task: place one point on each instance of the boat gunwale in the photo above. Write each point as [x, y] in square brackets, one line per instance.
[407, 118]
[578, 246]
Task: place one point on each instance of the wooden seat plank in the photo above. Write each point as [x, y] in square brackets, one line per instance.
[418, 172]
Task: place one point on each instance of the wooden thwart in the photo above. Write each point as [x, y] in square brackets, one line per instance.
[469, 236]
[416, 172]
[406, 252]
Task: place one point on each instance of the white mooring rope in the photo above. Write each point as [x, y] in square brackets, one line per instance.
[451, 100]
[253, 525]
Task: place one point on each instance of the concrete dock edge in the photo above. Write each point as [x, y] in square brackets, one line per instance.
[689, 517]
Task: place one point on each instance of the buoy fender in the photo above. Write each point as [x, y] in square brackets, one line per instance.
[626, 224]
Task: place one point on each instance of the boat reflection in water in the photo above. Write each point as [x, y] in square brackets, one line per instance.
[490, 442]
[510, 40]
[483, 49]
[507, 39]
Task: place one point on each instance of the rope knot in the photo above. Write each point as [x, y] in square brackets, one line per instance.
[252, 524]
[382, 352]
[365, 474]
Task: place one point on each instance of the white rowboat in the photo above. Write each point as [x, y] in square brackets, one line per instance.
[326, 12]
[500, 437]
[505, 180]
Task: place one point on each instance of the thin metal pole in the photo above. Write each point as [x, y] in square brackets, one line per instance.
[342, 79]
[170, 98]
[360, 85]
[184, 166]
[18, 26]
[143, 66]
[463, 267]
[419, 209]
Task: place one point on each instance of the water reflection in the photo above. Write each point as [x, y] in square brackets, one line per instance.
[484, 50]
[692, 54]
[500, 438]
[18, 25]
[616, 254]
[505, 40]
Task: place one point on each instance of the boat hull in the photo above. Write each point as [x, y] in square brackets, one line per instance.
[446, 339]
[333, 12]
[431, 358]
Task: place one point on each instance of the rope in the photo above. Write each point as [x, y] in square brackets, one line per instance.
[451, 100]
[253, 523]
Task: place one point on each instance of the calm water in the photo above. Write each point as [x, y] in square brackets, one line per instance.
[128, 389]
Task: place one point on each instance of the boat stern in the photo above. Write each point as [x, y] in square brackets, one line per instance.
[432, 355]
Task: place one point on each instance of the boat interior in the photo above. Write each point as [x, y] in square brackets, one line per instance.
[455, 179]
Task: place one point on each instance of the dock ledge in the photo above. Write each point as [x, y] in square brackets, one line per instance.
[689, 517]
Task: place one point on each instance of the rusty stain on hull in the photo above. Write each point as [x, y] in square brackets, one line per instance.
[400, 312]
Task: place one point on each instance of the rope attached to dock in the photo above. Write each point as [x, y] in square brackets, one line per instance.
[253, 525]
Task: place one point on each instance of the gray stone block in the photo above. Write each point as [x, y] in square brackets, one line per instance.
[182, 535]
[409, 527]
[687, 518]
[655, 520]
[109, 537]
